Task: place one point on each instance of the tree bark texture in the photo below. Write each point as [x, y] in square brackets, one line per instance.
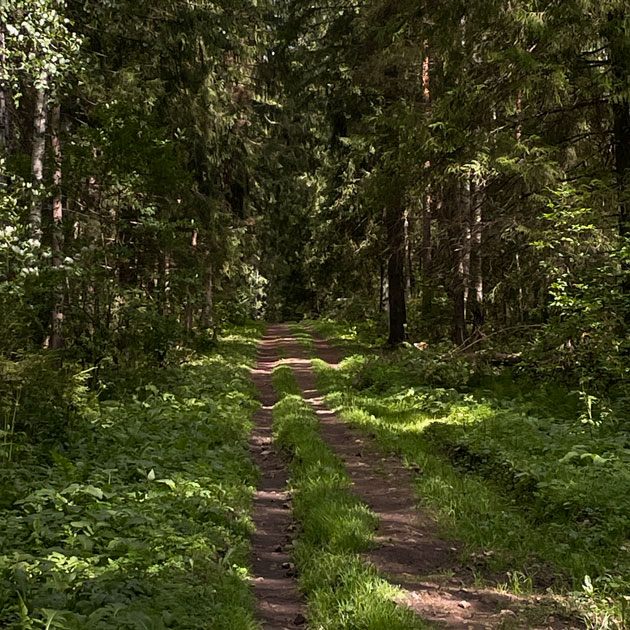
[426, 255]
[460, 244]
[409, 284]
[619, 50]
[621, 132]
[475, 296]
[40, 120]
[56, 337]
[395, 227]
[4, 107]
[207, 315]
[426, 251]
[381, 286]
[164, 292]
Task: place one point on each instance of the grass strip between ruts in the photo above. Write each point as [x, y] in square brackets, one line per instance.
[343, 591]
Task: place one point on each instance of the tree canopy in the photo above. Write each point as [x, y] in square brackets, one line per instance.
[455, 169]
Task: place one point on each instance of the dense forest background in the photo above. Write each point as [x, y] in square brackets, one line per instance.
[173, 166]
[451, 179]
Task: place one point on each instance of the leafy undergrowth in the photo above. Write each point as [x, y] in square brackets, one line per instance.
[533, 489]
[139, 518]
[351, 336]
[344, 593]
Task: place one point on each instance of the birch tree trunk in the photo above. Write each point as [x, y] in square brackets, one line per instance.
[164, 283]
[4, 107]
[56, 337]
[40, 120]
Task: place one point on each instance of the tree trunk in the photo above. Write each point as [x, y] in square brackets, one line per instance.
[521, 295]
[460, 240]
[476, 261]
[381, 295]
[189, 315]
[207, 315]
[621, 111]
[426, 254]
[408, 257]
[189, 311]
[426, 78]
[395, 227]
[164, 285]
[38, 155]
[620, 69]
[4, 108]
[459, 315]
[621, 132]
[427, 293]
[56, 337]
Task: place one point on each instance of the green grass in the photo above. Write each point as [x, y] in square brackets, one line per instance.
[140, 517]
[343, 591]
[539, 495]
[302, 336]
[349, 336]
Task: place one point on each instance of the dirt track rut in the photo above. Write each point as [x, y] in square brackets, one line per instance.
[280, 606]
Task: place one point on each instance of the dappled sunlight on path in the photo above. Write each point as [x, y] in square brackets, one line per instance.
[408, 549]
[279, 603]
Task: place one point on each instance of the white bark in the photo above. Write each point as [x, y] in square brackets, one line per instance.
[40, 121]
[4, 102]
[56, 339]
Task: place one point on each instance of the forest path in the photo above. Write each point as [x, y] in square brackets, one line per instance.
[408, 549]
[280, 605]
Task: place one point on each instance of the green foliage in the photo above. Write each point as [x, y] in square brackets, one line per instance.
[350, 335]
[529, 479]
[432, 323]
[137, 515]
[437, 365]
[39, 41]
[343, 591]
[432, 364]
[42, 398]
[157, 152]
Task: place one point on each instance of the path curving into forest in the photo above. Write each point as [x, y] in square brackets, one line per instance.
[408, 550]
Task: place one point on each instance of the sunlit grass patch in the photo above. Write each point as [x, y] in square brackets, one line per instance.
[302, 336]
[351, 336]
[528, 492]
[284, 382]
[343, 591]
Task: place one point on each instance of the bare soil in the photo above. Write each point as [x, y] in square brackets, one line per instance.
[279, 603]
